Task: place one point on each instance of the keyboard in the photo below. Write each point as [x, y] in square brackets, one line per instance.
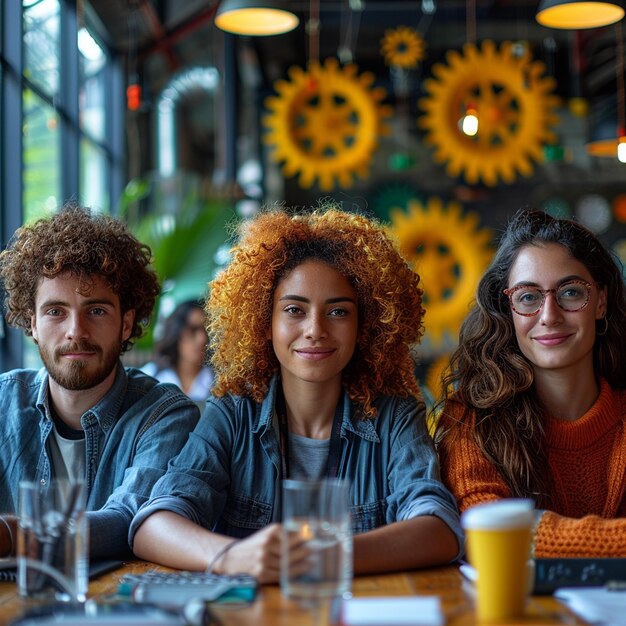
[550, 574]
[177, 588]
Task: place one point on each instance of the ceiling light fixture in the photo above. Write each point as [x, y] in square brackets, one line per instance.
[468, 124]
[576, 14]
[255, 17]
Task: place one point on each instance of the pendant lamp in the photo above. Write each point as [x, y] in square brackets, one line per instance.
[577, 14]
[255, 17]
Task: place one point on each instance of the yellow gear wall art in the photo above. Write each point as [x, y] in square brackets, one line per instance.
[514, 105]
[450, 253]
[325, 123]
[432, 380]
[403, 47]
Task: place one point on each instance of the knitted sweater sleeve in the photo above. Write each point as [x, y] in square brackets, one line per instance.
[473, 479]
[589, 536]
[465, 470]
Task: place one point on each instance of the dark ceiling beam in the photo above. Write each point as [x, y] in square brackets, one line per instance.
[166, 42]
[159, 33]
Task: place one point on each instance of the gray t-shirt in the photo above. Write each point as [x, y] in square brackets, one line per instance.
[67, 457]
[307, 457]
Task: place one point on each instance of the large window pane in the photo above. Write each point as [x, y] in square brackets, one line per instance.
[92, 61]
[41, 44]
[42, 181]
[93, 176]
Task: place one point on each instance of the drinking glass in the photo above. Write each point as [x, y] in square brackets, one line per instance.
[52, 541]
[317, 512]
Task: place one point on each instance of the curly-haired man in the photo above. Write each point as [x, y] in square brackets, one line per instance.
[81, 285]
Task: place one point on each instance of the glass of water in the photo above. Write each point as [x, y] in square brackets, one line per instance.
[316, 554]
[52, 541]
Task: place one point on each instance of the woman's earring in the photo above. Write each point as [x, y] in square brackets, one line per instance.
[606, 327]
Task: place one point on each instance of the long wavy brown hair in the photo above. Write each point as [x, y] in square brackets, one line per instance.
[271, 245]
[491, 378]
[83, 244]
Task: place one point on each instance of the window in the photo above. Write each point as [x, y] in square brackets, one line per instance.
[41, 157]
[91, 101]
[60, 91]
[93, 176]
[41, 44]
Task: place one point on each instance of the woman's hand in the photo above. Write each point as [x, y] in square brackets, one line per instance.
[259, 555]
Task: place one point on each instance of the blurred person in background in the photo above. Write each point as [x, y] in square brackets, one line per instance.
[181, 352]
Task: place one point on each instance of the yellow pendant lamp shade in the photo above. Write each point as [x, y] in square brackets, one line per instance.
[255, 17]
[578, 14]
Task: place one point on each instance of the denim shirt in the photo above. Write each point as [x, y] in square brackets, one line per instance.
[227, 477]
[130, 435]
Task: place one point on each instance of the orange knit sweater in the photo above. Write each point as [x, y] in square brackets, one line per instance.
[587, 461]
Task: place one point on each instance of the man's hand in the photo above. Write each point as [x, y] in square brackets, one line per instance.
[8, 535]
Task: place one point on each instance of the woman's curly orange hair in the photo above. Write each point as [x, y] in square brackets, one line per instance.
[84, 244]
[272, 244]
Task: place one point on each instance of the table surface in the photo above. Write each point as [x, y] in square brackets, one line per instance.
[272, 609]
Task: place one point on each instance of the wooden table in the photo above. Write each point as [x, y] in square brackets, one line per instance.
[271, 609]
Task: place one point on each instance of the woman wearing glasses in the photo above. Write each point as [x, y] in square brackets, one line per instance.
[181, 352]
[535, 404]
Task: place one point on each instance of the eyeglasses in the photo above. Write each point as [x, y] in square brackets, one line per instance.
[195, 329]
[527, 300]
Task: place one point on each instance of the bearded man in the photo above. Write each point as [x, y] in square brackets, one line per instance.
[81, 285]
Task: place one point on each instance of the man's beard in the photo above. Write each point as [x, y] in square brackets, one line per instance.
[77, 375]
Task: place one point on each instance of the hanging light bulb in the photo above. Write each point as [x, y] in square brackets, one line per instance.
[255, 17]
[577, 14]
[469, 122]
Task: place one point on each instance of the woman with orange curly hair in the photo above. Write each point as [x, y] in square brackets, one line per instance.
[311, 327]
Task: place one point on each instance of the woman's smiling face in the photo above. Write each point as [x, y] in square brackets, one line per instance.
[314, 323]
[554, 338]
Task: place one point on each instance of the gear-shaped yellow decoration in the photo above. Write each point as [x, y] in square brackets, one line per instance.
[514, 105]
[403, 47]
[433, 383]
[439, 367]
[325, 123]
[450, 253]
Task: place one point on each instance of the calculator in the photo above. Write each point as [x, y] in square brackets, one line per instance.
[176, 589]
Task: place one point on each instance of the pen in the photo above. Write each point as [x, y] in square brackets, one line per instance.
[468, 572]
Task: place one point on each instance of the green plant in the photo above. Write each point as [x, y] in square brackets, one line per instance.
[185, 229]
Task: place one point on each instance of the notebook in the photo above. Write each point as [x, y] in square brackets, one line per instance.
[8, 571]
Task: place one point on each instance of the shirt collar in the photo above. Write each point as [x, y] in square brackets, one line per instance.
[105, 411]
[364, 428]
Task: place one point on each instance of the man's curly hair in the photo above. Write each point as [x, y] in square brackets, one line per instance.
[85, 245]
[272, 244]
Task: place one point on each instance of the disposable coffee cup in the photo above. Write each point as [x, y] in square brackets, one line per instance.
[499, 538]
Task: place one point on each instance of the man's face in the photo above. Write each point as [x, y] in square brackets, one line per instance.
[79, 335]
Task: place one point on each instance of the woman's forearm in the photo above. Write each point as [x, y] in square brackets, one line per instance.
[173, 540]
[419, 542]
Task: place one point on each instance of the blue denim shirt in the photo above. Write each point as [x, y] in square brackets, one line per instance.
[227, 477]
[130, 436]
